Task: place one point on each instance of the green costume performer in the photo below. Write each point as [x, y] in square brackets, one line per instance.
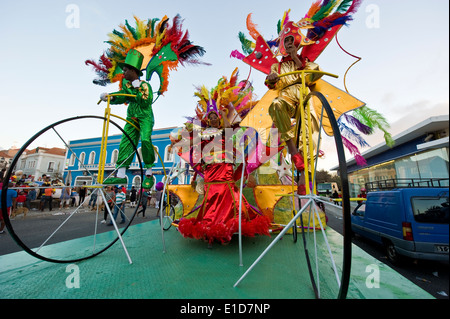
[156, 47]
[140, 113]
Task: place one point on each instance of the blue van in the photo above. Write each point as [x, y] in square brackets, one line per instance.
[412, 222]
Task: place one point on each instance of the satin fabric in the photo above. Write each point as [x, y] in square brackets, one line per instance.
[284, 107]
[221, 201]
[139, 109]
[218, 217]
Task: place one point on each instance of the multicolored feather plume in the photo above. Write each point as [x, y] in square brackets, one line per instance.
[150, 37]
[326, 14]
[228, 95]
[372, 118]
[102, 69]
[365, 120]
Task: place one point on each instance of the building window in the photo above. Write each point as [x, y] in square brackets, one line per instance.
[425, 165]
[91, 158]
[51, 167]
[156, 153]
[433, 164]
[137, 182]
[154, 182]
[31, 164]
[114, 156]
[82, 157]
[72, 159]
[168, 155]
[406, 167]
[80, 180]
[140, 155]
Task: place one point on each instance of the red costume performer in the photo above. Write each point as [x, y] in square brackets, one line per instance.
[218, 216]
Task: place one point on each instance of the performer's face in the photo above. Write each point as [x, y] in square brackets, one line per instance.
[289, 42]
[214, 120]
[129, 74]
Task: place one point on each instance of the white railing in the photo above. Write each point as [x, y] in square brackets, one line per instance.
[107, 165]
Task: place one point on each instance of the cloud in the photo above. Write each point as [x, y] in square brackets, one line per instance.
[416, 113]
[388, 98]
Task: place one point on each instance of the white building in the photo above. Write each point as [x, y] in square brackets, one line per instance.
[5, 160]
[41, 160]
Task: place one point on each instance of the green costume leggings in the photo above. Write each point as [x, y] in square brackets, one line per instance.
[126, 148]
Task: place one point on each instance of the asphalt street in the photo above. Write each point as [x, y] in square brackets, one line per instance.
[30, 229]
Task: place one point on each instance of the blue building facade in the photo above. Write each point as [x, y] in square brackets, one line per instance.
[82, 160]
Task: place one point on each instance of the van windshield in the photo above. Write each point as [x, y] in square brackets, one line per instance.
[431, 209]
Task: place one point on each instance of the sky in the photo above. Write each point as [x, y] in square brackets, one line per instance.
[403, 73]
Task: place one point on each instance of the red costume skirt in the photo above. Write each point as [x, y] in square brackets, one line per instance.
[218, 218]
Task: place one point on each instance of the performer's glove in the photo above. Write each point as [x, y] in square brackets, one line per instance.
[136, 83]
[104, 97]
[298, 162]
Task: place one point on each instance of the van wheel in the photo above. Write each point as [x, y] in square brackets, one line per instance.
[392, 253]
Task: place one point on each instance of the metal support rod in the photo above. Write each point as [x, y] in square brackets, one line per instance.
[59, 227]
[274, 242]
[240, 208]
[161, 220]
[116, 228]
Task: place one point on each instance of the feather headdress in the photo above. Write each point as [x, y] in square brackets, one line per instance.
[322, 21]
[234, 98]
[164, 45]
[328, 14]
[102, 69]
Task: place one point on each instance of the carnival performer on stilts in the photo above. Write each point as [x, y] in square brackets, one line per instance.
[156, 47]
[285, 106]
[140, 113]
[321, 23]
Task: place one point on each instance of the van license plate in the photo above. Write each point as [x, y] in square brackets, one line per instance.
[442, 249]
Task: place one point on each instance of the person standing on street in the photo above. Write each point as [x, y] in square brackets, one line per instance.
[120, 205]
[133, 196]
[110, 198]
[82, 193]
[144, 201]
[11, 196]
[31, 196]
[65, 196]
[93, 200]
[47, 196]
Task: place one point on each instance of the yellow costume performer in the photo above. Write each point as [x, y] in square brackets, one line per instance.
[284, 107]
[280, 104]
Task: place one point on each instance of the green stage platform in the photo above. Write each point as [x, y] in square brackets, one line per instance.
[189, 270]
